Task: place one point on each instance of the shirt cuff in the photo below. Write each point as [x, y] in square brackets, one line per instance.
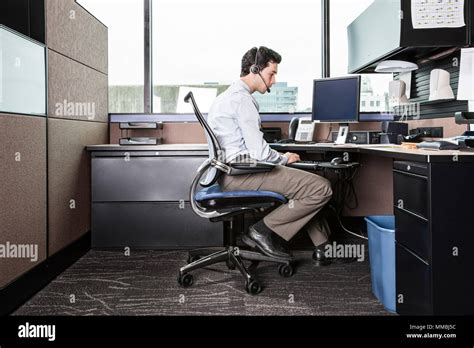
[283, 160]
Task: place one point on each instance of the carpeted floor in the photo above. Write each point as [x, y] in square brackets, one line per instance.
[144, 283]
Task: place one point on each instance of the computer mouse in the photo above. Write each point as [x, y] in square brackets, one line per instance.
[336, 160]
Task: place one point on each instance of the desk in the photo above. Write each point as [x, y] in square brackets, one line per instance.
[140, 197]
[431, 195]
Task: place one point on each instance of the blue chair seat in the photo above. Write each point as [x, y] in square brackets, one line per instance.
[215, 197]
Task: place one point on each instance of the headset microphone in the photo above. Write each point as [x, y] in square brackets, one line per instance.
[255, 69]
[268, 89]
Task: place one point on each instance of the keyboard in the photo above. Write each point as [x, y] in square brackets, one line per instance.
[318, 165]
[313, 165]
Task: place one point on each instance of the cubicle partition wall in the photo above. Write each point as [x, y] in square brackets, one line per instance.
[53, 102]
[22, 153]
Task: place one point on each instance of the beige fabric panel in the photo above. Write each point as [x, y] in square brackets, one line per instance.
[69, 179]
[75, 90]
[75, 33]
[22, 194]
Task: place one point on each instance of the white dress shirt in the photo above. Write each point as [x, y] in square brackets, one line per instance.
[235, 121]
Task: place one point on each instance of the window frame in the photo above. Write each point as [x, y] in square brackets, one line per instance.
[189, 117]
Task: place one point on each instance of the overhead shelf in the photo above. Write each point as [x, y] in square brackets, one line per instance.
[384, 31]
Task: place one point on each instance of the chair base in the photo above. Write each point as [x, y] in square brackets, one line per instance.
[233, 257]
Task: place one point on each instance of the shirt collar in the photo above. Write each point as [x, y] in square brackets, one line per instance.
[243, 85]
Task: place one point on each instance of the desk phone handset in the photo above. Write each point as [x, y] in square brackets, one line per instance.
[301, 129]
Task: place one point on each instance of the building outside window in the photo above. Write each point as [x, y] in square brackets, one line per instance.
[202, 51]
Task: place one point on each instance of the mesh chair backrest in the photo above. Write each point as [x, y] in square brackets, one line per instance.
[215, 150]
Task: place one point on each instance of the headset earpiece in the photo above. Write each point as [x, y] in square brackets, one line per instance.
[254, 69]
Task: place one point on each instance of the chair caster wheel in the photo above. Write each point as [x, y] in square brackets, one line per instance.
[253, 287]
[230, 265]
[192, 258]
[185, 280]
[285, 270]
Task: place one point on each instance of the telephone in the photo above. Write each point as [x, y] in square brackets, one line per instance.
[301, 129]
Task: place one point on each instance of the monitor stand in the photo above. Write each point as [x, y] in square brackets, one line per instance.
[342, 134]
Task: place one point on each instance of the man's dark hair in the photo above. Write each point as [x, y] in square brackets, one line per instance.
[265, 56]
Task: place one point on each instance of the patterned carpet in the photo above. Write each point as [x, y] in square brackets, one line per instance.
[144, 283]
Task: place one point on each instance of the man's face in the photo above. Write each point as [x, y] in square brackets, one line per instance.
[269, 75]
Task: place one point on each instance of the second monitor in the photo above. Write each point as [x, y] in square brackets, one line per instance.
[337, 100]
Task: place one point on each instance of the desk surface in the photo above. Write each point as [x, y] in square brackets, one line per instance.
[384, 150]
[163, 147]
[392, 151]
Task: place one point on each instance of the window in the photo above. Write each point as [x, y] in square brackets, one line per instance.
[198, 46]
[374, 87]
[125, 22]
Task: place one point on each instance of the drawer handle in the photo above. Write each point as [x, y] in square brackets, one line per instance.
[410, 174]
[411, 213]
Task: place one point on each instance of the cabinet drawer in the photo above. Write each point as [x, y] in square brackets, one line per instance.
[410, 192]
[152, 225]
[413, 281]
[143, 179]
[413, 232]
[411, 167]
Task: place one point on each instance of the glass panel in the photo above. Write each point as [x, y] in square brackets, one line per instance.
[374, 88]
[198, 46]
[22, 74]
[125, 22]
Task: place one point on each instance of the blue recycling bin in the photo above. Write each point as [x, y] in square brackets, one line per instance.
[381, 234]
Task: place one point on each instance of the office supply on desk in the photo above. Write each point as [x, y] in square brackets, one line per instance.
[300, 130]
[440, 87]
[391, 131]
[397, 92]
[438, 145]
[360, 137]
[409, 146]
[271, 134]
[466, 75]
[337, 100]
[305, 130]
[140, 141]
[466, 84]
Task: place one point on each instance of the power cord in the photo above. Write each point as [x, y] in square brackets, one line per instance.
[344, 193]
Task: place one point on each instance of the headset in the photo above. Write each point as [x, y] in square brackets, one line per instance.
[255, 69]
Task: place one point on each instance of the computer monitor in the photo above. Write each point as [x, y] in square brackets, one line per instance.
[336, 99]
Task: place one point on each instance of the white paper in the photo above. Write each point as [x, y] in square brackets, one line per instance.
[426, 14]
[466, 75]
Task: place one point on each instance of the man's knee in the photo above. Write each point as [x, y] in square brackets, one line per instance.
[326, 189]
[323, 189]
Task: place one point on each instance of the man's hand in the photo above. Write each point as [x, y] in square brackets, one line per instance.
[292, 157]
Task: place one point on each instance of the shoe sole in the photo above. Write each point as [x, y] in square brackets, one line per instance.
[251, 243]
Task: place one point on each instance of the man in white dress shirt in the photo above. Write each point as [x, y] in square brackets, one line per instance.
[235, 120]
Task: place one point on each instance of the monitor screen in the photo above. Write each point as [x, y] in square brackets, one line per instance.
[336, 99]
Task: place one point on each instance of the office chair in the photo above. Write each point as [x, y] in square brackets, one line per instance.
[212, 203]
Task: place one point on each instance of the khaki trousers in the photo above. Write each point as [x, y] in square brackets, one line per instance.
[307, 193]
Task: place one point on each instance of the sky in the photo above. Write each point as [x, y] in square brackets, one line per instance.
[203, 41]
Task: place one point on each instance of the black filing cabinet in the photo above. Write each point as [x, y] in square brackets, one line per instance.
[434, 232]
[141, 199]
